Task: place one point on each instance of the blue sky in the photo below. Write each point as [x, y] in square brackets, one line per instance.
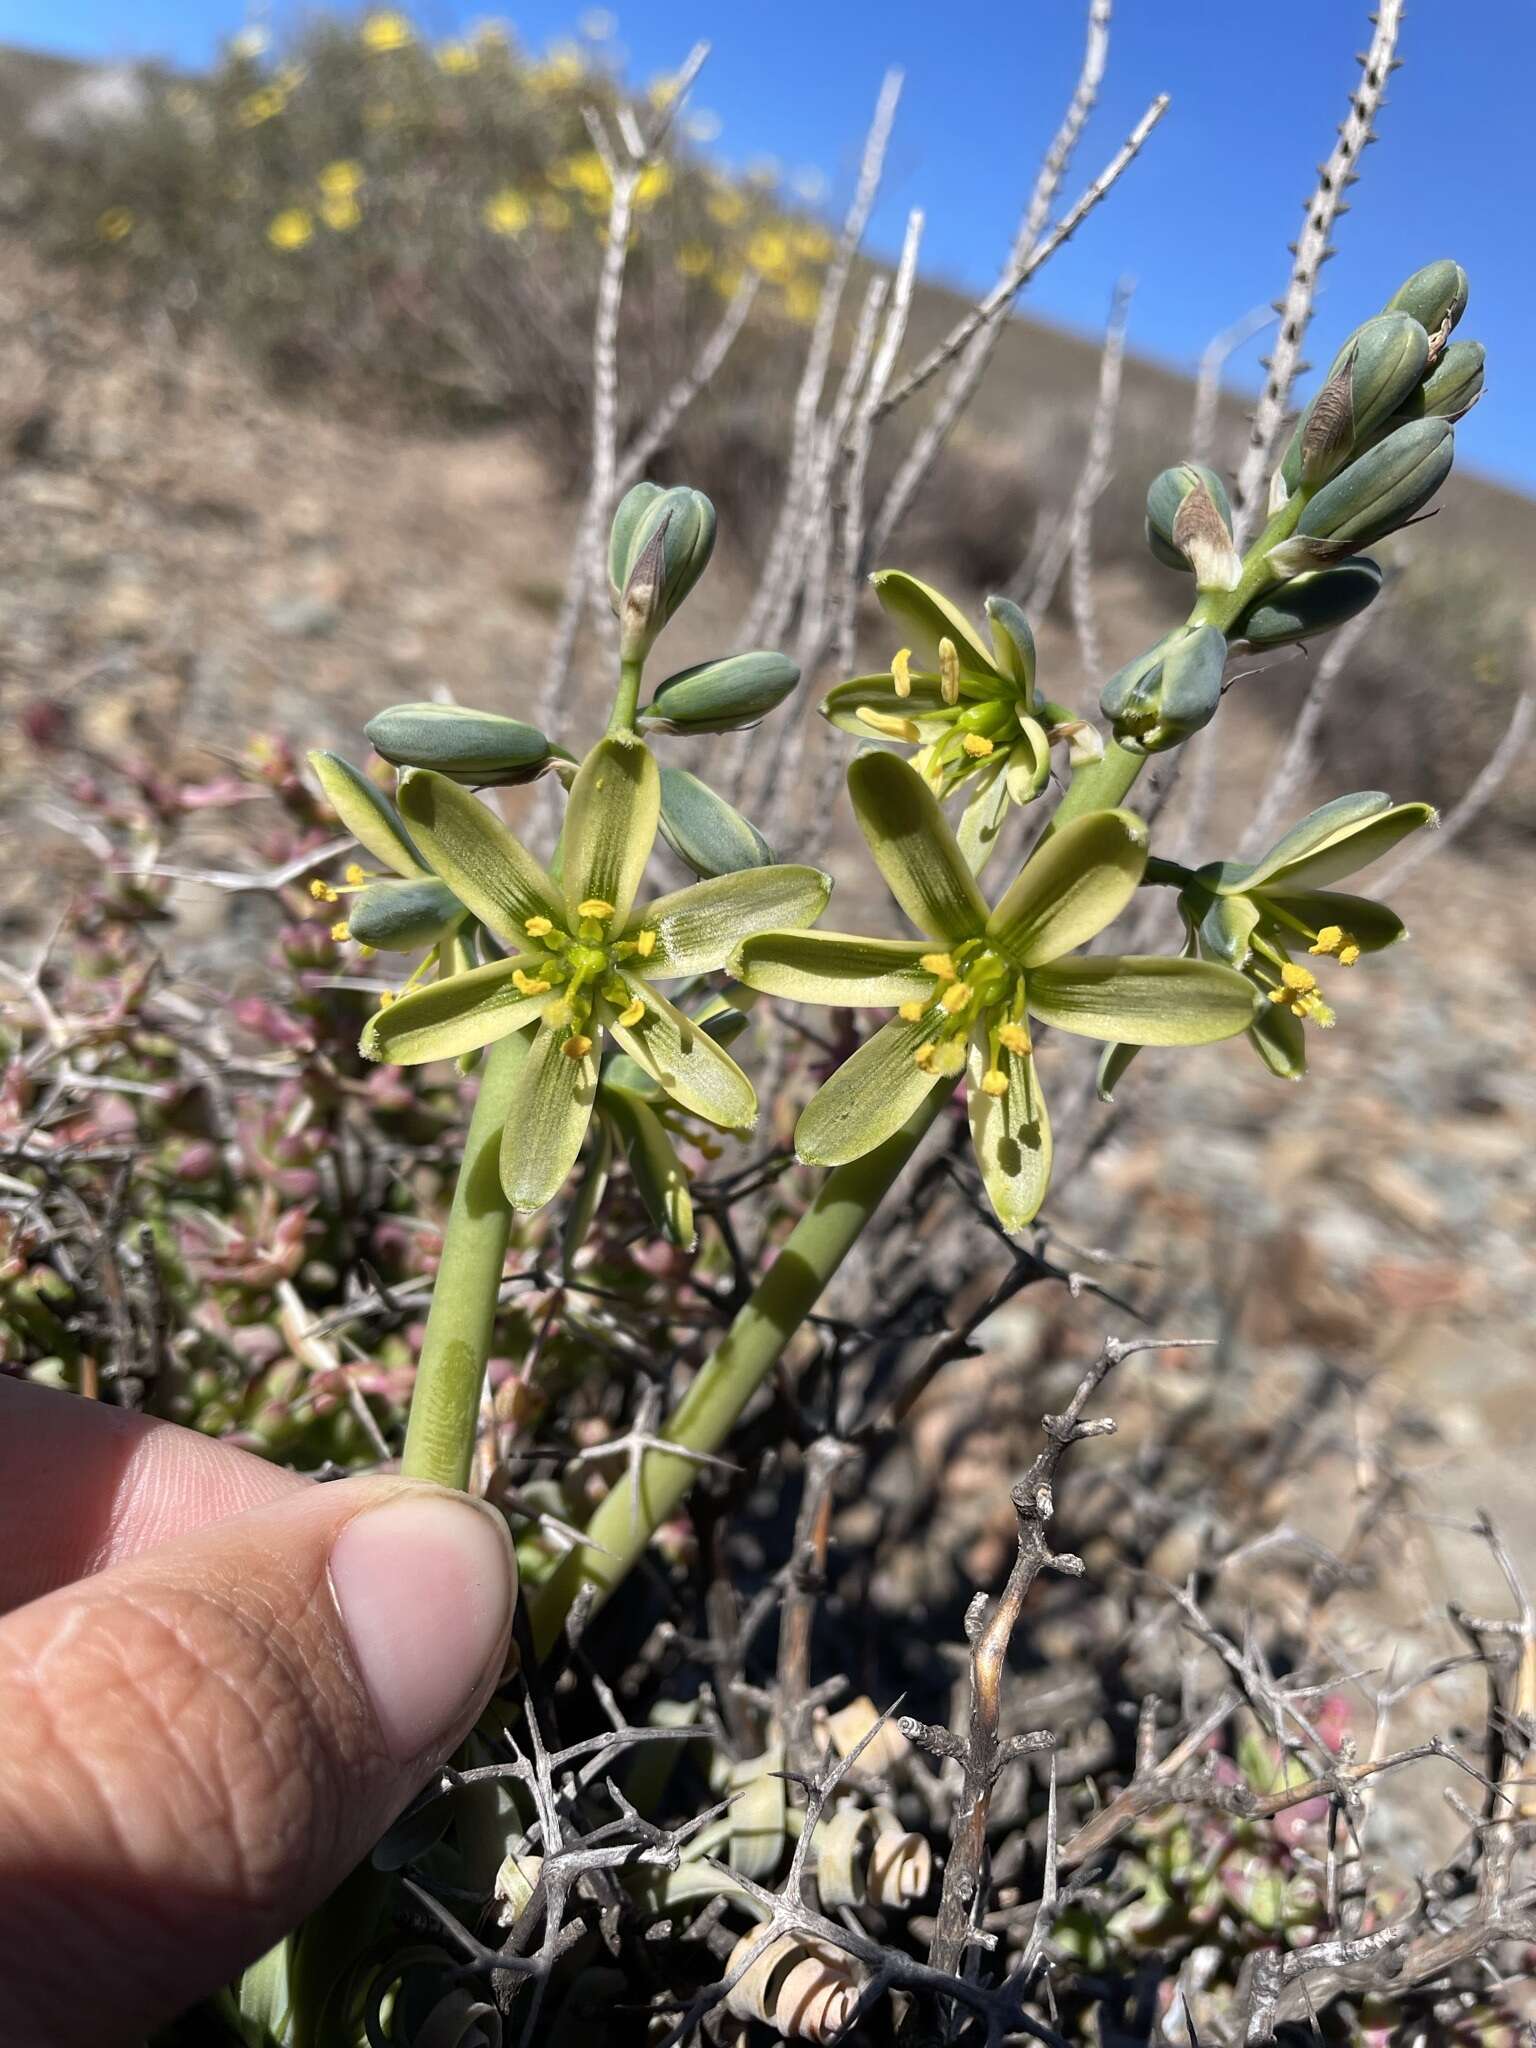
[1201, 222]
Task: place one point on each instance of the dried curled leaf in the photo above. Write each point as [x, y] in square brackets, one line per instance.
[805, 1989]
[885, 1751]
[865, 1857]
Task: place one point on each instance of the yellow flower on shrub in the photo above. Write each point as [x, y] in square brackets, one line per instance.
[769, 252]
[291, 228]
[115, 225]
[662, 91]
[811, 244]
[457, 58]
[801, 300]
[260, 106]
[342, 179]
[586, 174]
[506, 212]
[341, 212]
[727, 207]
[693, 259]
[386, 30]
[561, 69]
[727, 282]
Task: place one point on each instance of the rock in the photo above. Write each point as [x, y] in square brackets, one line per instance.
[52, 490]
[304, 617]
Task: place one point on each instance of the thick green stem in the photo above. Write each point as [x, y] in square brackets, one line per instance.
[445, 1408]
[704, 1418]
[626, 702]
[1100, 786]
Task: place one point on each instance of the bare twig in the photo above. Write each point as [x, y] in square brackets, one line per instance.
[1476, 800]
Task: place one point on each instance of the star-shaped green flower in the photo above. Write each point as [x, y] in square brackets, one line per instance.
[582, 959]
[965, 993]
[1255, 917]
[972, 712]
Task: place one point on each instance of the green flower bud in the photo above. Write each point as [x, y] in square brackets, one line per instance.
[1436, 297]
[1383, 489]
[658, 548]
[705, 832]
[721, 696]
[1373, 377]
[1311, 603]
[1452, 387]
[1169, 692]
[1014, 643]
[1202, 540]
[402, 917]
[479, 748]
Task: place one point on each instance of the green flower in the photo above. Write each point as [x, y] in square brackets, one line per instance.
[964, 995]
[972, 713]
[1256, 917]
[582, 959]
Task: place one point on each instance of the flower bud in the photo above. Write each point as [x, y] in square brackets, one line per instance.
[1373, 377]
[479, 748]
[1189, 525]
[658, 548]
[1014, 643]
[1314, 602]
[1452, 387]
[1382, 489]
[705, 832]
[402, 917]
[1169, 692]
[1436, 297]
[721, 696]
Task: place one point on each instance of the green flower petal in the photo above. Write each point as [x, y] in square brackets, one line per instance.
[445, 1018]
[596, 1165]
[1279, 1039]
[914, 848]
[924, 706]
[1011, 1134]
[698, 928]
[610, 824]
[839, 969]
[1148, 1001]
[1072, 886]
[686, 1062]
[1345, 835]
[547, 1119]
[925, 617]
[1029, 762]
[1112, 1065]
[981, 822]
[868, 1099]
[653, 1161]
[1371, 925]
[367, 814]
[1227, 928]
[492, 874]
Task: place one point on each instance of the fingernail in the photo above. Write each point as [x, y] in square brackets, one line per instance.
[425, 1586]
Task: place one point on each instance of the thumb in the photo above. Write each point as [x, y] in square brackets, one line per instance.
[199, 1744]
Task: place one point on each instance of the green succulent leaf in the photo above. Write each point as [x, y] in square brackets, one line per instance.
[1343, 836]
[491, 872]
[610, 824]
[925, 616]
[367, 814]
[868, 1099]
[704, 831]
[686, 1062]
[1072, 886]
[914, 848]
[839, 969]
[1145, 1000]
[442, 1019]
[1011, 1134]
[699, 928]
[547, 1119]
[653, 1161]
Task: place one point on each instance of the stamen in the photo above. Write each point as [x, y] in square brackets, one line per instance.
[576, 1047]
[956, 996]
[890, 727]
[1015, 1038]
[341, 931]
[322, 891]
[949, 672]
[631, 1014]
[356, 875]
[529, 984]
[924, 1058]
[386, 997]
[912, 1013]
[994, 1082]
[1349, 953]
[537, 927]
[977, 745]
[901, 671]
[949, 1056]
[938, 964]
[645, 942]
[1329, 939]
[595, 906]
[1301, 980]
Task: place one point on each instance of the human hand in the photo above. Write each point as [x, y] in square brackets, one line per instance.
[219, 1683]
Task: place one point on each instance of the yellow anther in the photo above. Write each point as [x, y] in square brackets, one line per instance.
[924, 1058]
[341, 931]
[1316, 1011]
[529, 984]
[1349, 953]
[1014, 1038]
[322, 891]
[1301, 980]
[938, 964]
[977, 745]
[645, 942]
[576, 1047]
[949, 672]
[367, 952]
[889, 727]
[631, 1014]
[594, 906]
[356, 876]
[557, 1014]
[386, 997]
[956, 996]
[912, 1013]
[949, 1056]
[537, 927]
[994, 1082]
[901, 671]
[1329, 939]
